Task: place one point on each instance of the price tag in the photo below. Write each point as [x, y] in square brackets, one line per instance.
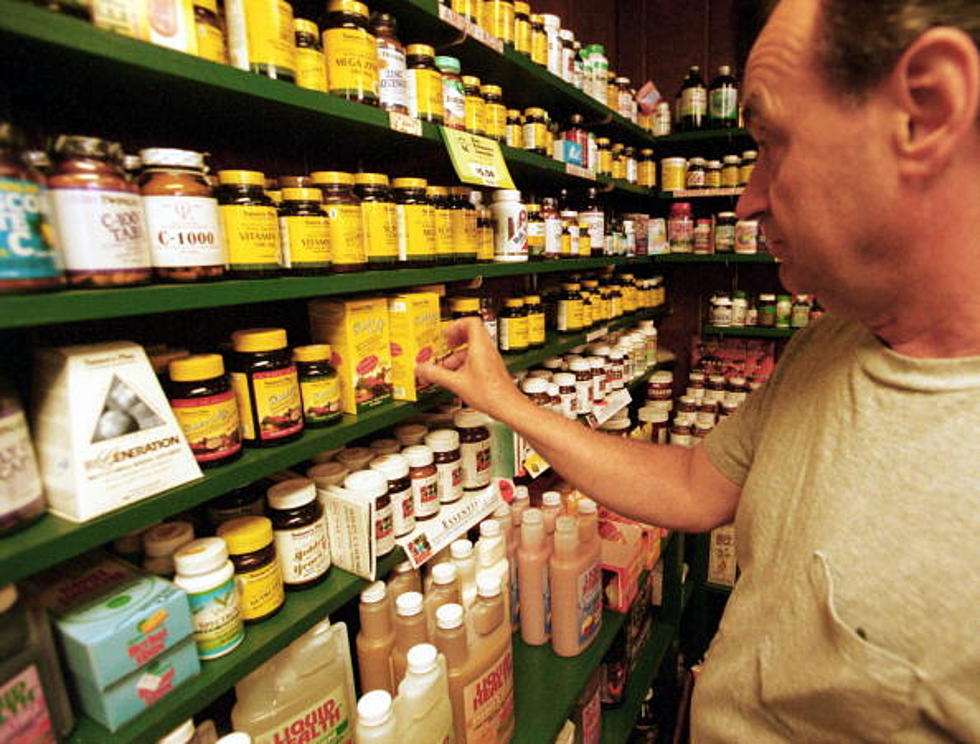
[453, 18]
[575, 170]
[596, 334]
[606, 409]
[477, 160]
[405, 123]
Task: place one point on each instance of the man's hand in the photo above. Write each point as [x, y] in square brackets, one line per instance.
[474, 370]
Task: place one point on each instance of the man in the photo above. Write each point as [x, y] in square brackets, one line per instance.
[853, 476]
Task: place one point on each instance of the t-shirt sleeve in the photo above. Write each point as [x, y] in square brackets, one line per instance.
[730, 446]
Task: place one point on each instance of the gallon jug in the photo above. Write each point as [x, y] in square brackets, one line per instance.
[422, 707]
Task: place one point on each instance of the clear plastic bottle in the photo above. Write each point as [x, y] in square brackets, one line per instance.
[422, 708]
[376, 722]
[491, 557]
[533, 583]
[576, 590]
[465, 562]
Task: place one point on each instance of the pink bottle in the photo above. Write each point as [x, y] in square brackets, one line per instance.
[576, 590]
[533, 581]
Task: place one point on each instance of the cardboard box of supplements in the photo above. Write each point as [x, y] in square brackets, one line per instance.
[416, 336]
[126, 635]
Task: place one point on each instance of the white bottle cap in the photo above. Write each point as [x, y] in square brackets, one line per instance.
[418, 456]
[374, 708]
[328, 473]
[164, 539]
[521, 494]
[201, 556]
[553, 389]
[443, 573]
[442, 440]
[564, 523]
[534, 385]
[532, 516]
[502, 511]
[487, 584]
[375, 592]
[468, 419]
[385, 446]
[461, 549]
[327, 455]
[292, 493]
[551, 498]
[586, 506]
[367, 483]
[489, 528]
[393, 467]
[180, 735]
[449, 616]
[564, 379]
[409, 604]
[422, 658]
[411, 433]
[235, 737]
[579, 365]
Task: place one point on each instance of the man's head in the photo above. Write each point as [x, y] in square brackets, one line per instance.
[868, 138]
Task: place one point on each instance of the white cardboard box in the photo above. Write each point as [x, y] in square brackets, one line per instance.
[104, 431]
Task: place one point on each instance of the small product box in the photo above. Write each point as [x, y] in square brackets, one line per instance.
[622, 563]
[652, 536]
[357, 331]
[112, 619]
[169, 24]
[104, 431]
[416, 337]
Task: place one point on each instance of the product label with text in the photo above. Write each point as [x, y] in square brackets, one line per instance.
[488, 702]
[184, 231]
[277, 403]
[24, 716]
[26, 237]
[326, 722]
[101, 230]
[252, 236]
[210, 424]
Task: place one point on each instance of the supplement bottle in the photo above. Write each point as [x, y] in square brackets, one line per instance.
[266, 387]
[249, 224]
[491, 558]
[201, 397]
[410, 630]
[582, 369]
[444, 444]
[552, 27]
[569, 235]
[498, 19]
[21, 490]
[604, 150]
[425, 480]
[512, 327]
[532, 574]
[438, 197]
[260, 37]
[535, 131]
[475, 113]
[380, 219]
[422, 707]
[566, 393]
[485, 230]
[464, 219]
[474, 441]
[576, 590]
[424, 84]
[746, 166]
[463, 558]
[394, 467]
[372, 486]
[403, 578]
[311, 65]
[692, 102]
[416, 223]
[258, 573]
[520, 504]
[351, 52]
[343, 210]
[512, 537]
[376, 722]
[241, 502]
[535, 232]
[160, 542]
[510, 226]
[539, 41]
[522, 28]
[723, 100]
[646, 169]
[98, 216]
[206, 574]
[552, 228]
[318, 384]
[535, 321]
[495, 113]
[514, 130]
[181, 216]
[444, 589]
[453, 93]
[712, 177]
[536, 390]
[569, 319]
[392, 73]
[300, 530]
[696, 173]
[551, 509]
[680, 228]
[376, 639]
[209, 32]
[304, 232]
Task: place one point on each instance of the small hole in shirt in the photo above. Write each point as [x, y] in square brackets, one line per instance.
[861, 634]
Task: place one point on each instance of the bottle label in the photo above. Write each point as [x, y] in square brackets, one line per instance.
[424, 93]
[510, 235]
[569, 315]
[486, 244]
[496, 120]
[583, 396]
[552, 237]
[326, 722]
[724, 103]
[445, 245]
[305, 242]
[512, 333]
[514, 135]
[535, 237]
[211, 44]
[304, 552]
[24, 715]
[210, 424]
[462, 236]
[384, 530]
[26, 236]
[352, 61]
[403, 512]
[101, 230]
[311, 69]
[271, 40]
[450, 475]
[20, 480]
[477, 460]
[535, 328]
[277, 403]
[184, 231]
[453, 103]
[380, 230]
[475, 115]
[596, 222]
[218, 626]
[589, 592]
[534, 135]
[321, 398]
[346, 234]
[392, 90]
[260, 591]
[694, 102]
[416, 232]
[243, 397]
[425, 494]
[488, 701]
[252, 236]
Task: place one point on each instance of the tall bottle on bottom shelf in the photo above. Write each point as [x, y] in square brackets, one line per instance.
[376, 639]
[576, 587]
[422, 708]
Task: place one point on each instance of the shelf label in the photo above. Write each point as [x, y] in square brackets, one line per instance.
[453, 18]
[577, 170]
[405, 123]
[486, 39]
[453, 521]
[606, 409]
[477, 160]
[534, 464]
[596, 334]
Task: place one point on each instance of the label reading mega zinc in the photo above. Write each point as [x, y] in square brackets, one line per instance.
[252, 236]
[352, 62]
[184, 231]
[26, 236]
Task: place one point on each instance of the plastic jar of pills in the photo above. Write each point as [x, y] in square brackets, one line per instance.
[673, 174]
[249, 224]
[372, 486]
[495, 113]
[444, 444]
[746, 166]
[201, 397]
[410, 434]
[475, 115]
[416, 223]
[514, 133]
[425, 480]
[300, 532]
[394, 467]
[343, 210]
[512, 327]
[474, 442]
[311, 65]
[351, 52]
[424, 84]
[729, 171]
[392, 73]
[660, 386]
[258, 574]
[510, 226]
[535, 321]
[266, 386]
[160, 542]
[380, 219]
[656, 421]
[535, 131]
[453, 93]
[304, 232]
[319, 385]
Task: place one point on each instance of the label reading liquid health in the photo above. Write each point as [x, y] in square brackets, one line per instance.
[327, 722]
[488, 702]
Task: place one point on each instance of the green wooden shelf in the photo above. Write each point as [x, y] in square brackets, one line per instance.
[301, 612]
[720, 193]
[94, 304]
[705, 135]
[617, 723]
[747, 332]
[724, 258]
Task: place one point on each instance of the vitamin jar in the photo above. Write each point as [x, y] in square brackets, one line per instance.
[311, 66]
[673, 174]
[646, 170]
[514, 130]
[28, 257]
[392, 72]
[380, 219]
[535, 131]
[474, 444]
[444, 444]
[464, 227]
[343, 210]
[424, 84]
[604, 156]
[494, 111]
[453, 93]
[319, 385]
[570, 308]
[98, 216]
[181, 216]
[249, 224]
[729, 171]
[304, 232]
[535, 232]
[464, 307]
[416, 223]
[522, 28]
[712, 177]
[660, 385]
[512, 327]
[746, 166]
[535, 321]
[680, 228]
[438, 197]
[204, 405]
[351, 52]
[696, 173]
[570, 234]
[394, 467]
[498, 19]
[510, 226]
[371, 486]
[300, 532]
[475, 106]
[209, 32]
[258, 573]
[266, 386]
[425, 480]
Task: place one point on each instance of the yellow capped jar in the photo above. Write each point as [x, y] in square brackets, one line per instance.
[416, 223]
[304, 231]
[343, 210]
[495, 112]
[498, 19]
[522, 27]
[351, 52]
[424, 84]
[311, 66]
[258, 573]
[475, 106]
[535, 130]
[465, 227]
[265, 44]
[249, 224]
[438, 197]
[380, 218]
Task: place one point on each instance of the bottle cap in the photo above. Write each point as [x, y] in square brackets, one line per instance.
[448, 64]
[374, 708]
[371, 179]
[422, 658]
[489, 528]
[443, 573]
[411, 433]
[586, 506]
[197, 367]
[292, 493]
[311, 352]
[180, 735]
[449, 616]
[385, 446]
[418, 456]
[200, 556]
[393, 467]
[521, 494]
[534, 385]
[409, 183]
[468, 419]
[328, 474]
[302, 193]
[367, 483]
[460, 549]
[487, 584]
[259, 339]
[442, 440]
[564, 379]
[409, 604]
[235, 737]
[164, 539]
[532, 516]
[327, 455]
[332, 178]
[375, 592]
[551, 498]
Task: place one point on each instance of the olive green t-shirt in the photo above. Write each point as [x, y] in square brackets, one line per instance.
[857, 613]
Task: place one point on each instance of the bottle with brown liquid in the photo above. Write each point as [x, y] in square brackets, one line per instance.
[410, 629]
[376, 639]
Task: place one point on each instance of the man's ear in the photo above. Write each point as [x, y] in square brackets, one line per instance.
[936, 88]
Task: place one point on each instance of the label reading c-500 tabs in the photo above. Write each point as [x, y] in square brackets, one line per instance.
[252, 236]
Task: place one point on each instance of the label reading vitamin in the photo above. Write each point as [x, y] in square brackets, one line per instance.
[218, 626]
[304, 552]
[252, 236]
[184, 231]
[305, 242]
[392, 87]
[488, 702]
[346, 234]
[321, 398]
[569, 315]
[327, 722]
[352, 66]
[101, 230]
[311, 69]
[589, 592]
[260, 591]
[416, 232]
[535, 328]
[380, 230]
[26, 236]
[277, 403]
[210, 424]
[24, 715]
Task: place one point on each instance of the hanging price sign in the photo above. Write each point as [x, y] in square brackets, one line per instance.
[477, 160]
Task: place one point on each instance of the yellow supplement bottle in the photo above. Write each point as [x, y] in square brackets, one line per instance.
[304, 231]
[380, 217]
[210, 36]
[522, 27]
[351, 52]
[498, 19]
[343, 210]
[424, 84]
[474, 106]
[249, 224]
[260, 37]
[416, 223]
[464, 223]
[311, 66]
[258, 573]
[445, 245]
[495, 112]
